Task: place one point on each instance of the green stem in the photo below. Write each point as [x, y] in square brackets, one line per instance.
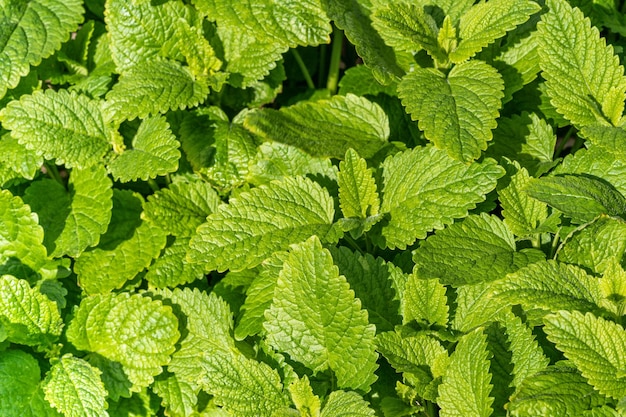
[536, 241]
[303, 68]
[53, 172]
[321, 69]
[564, 141]
[430, 409]
[555, 244]
[353, 244]
[153, 185]
[335, 61]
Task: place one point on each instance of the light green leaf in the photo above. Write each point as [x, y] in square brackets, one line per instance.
[303, 398]
[135, 331]
[172, 269]
[154, 152]
[31, 31]
[582, 198]
[425, 301]
[425, 189]
[579, 68]
[316, 319]
[127, 247]
[613, 287]
[475, 307]
[261, 222]
[74, 388]
[357, 189]
[596, 346]
[551, 286]
[325, 127]
[74, 218]
[346, 403]
[152, 88]
[18, 159]
[115, 381]
[465, 389]
[360, 81]
[480, 248]
[453, 8]
[558, 391]
[487, 21]
[457, 111]
[613, 139]
[67, 127]
[178, 397]
[28, 316]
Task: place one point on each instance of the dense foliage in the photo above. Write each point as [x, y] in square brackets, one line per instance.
[312, 208]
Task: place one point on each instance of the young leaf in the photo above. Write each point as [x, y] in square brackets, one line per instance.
[417, 182]
[475, 307]
[487, 21]
[17, 158]
[261, 222]
[74, 388]
[59, 125]
[346, 403]
[613, 287]
[325, 127]
[465, 388]
[316, 319]
[582, 198]
[178, 397]
[31, 31]
[154, 152]
[28, 317]
[448, 108]
[579, 68]
[596, 346]
[425, 301]
[357, 189]
[133, 330]
[73, 219]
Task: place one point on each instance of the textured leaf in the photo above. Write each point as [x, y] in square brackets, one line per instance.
[596, 346]
[582, 198]
[28, 316]
[613, 287]
[579, 68]
[457, 111]
[357, 189]
[466, 384]
[316, 319]
[480, 248]
[360, 81]
[613, 139]
[265, 220]
[127, 247]
[178, 397]
[152, 88]
[135, 331]
[425, 301]
[343, 403]
[475, 307]
[425, 189]
[59, 125]
[154, 152]
[325, 127]
[74, 388]
[303, 398]
[74, 218]
[559, 390]
[16, 157]
[551, 286]
[485, 22]
[31, 31]
[172, 269]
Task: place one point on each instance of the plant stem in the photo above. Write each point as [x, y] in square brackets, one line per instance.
[352, 243]
[153, 185]
[564, 141]
[321, 69]
[53, 172]
[335, 61]
[303, 68]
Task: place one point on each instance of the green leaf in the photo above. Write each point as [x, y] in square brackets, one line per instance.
[172, 269]
[269, 218]
[425, 301]
[582, 198]
[475, 307]
[487, 21]
[360, 81]
[31, 31]
[154, 152]
[316, 319]
[551, 286]
[613, 287]
[74, 388]
[178, 397]
[480, 248]
[67, 127]
[346, 403]
[28, 316]
[357, 189]
[559, 390]
[425, 189]
[74, 218]
[127, 247]
[612, 139]
[596, 346]
[19, 159]
[133, 330]
[325, 127]
[303, 398]
[457, 111]
[580, 70]
[152, 88]
[465, 388]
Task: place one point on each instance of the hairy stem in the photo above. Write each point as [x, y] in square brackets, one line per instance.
[303, 69]
[335, 60]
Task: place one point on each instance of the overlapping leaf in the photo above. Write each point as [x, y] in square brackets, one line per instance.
[475, 307]
[425, 300]
[18, 159]
[178, 397]
[346, 403]
[172, 268]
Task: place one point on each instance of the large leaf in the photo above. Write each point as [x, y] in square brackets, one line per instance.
[457, 111]
[59, 125]
[31, 31]
[325, 127]
[269, 218]
[425, 189]
[582, 73]
[316, 319]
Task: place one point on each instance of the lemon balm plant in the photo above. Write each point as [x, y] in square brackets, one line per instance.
[312, 208]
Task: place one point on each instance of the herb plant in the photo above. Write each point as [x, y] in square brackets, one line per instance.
[312, 208]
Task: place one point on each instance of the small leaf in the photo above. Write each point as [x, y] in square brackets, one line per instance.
[303, 398]
[316, 319]
[425, 301]
[357, 189]
[346, 403]
[475, 307]
[171, 268]
[17, 158]
[178, 397]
